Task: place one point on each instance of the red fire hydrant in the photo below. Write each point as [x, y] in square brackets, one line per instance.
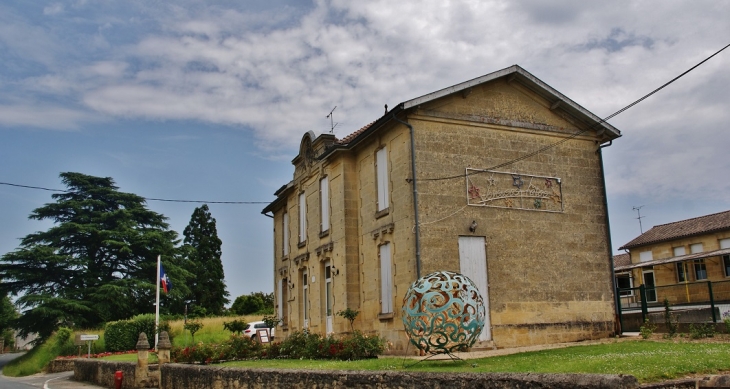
[118, 376]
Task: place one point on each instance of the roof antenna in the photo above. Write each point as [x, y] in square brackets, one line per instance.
[332, 120]
[638, 209]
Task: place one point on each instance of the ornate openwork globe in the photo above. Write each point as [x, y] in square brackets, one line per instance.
[443, 312]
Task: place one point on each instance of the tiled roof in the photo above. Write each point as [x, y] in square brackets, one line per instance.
[352, 136]
[695, 226]
[621, 260]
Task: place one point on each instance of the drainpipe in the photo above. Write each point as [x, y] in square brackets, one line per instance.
[415, 196]
[616, 297]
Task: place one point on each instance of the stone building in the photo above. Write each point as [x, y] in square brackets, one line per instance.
[686, 254]
[508, 190]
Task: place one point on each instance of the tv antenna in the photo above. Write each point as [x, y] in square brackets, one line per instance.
[638, 210]
[331, 117]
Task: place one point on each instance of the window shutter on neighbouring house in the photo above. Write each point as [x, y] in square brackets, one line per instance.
[725, 243]
[645, 256]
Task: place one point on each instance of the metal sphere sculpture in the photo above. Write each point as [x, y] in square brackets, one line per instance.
[443, 312]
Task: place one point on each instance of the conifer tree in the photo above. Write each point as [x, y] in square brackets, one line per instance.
[203, 250]
[97, 263]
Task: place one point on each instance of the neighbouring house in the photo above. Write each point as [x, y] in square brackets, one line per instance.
[499, 178]
[686, 262]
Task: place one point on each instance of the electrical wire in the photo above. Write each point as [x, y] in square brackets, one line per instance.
[146, 198]
[550, 146]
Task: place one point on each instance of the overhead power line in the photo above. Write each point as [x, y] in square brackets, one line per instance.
[550, 146]
[146, 198]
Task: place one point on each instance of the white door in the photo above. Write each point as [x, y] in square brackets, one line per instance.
[473, 262]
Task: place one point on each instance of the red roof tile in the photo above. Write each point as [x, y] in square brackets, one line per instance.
[695, 226]
[352, 136]
[621, 260]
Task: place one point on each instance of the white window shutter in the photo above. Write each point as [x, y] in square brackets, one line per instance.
[381, 159]
[386, 279]
[285, 235]
[695, 248]
[302, 217]
[645, 256]
[725, 243]
[324, 193]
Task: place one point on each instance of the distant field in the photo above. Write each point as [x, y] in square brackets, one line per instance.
[212, 331]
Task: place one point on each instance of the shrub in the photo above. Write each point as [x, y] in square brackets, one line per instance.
[726, 320]
[359, 346]
[242, 347]
[647, 329]
[193, 326]
[699, 330]
[672, 325]
[122, 335]
[235, 326]
[305, 345]
[350, 315]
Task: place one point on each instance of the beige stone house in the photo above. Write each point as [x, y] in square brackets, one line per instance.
[508, 190]
[687, 253]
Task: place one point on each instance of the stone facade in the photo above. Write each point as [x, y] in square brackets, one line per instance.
[686, 254]
[543, 235]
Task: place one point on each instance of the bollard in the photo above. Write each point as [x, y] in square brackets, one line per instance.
[118, 376]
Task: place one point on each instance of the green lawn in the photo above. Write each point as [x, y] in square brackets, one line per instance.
[648, 361]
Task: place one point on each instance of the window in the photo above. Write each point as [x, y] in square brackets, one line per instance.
[328, 297]
[279, 298]
[285, 234]
[386, 279]
[324, 204]
[305, 299]
[726, 264]
[302, 218]
[700, 269]
[645, 256]
[681, 272]
[381, 162]
[695, 248]
[725, 243]
[624, 283]
[679, 251]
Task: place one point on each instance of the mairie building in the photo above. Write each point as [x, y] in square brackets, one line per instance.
[499, 178]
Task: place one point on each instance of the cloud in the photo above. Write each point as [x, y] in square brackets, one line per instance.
[278, 71]
[53, 9]
[42, 116]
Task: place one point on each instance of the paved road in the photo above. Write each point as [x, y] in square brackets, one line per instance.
[45, 381]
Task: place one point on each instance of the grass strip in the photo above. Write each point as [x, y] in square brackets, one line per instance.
[648, 361]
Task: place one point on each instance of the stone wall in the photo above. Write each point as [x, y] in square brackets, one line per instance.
[176, 376]
[59, 365]
[102, 372]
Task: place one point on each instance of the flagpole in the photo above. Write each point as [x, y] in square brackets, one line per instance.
[157, 304]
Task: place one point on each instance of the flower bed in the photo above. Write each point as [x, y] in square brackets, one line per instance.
[299, 345]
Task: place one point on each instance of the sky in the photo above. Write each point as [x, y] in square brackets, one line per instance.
[208, 100]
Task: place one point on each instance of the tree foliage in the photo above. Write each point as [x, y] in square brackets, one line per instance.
[257, 302]
[7, 316]
[202, 248]
[97, 262]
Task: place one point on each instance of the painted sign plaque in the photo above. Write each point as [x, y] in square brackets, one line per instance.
[490, 188]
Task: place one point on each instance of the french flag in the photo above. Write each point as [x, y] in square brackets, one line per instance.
[165, 281]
